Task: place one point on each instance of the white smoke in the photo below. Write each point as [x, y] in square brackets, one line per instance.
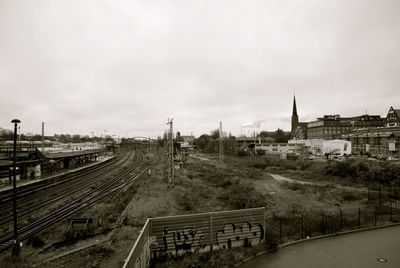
[255, 124]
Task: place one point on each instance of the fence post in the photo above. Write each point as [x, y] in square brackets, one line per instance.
[211, 231]
[380, 195]
[341, 220]
[302, 226]
[390, 210]
[265, 225]
[359, 218]
[322, 222]
[280, 229]
[375, 216]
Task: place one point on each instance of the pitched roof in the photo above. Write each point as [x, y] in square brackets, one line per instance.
[397, 111]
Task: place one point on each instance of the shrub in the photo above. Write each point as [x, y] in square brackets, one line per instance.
[305, 165]
[241, 196]
[35, 241]
[349, 196]
[186, 201]
[260, 165]
[226, 182]
[260, 152]
[101, 251]
[243, 153]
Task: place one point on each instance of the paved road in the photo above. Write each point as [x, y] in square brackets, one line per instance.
[362, 249]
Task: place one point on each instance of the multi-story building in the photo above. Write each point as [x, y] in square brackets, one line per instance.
[367, 133]
[333, 126]
[382, 140]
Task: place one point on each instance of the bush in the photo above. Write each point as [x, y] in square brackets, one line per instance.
[282, 164]
[243, 153]
[226, 182]
[241, 196]
[305, 165]
[101, 251]
[186, 201]
[35, 241]
[260, 165]
[349, 196]
[369, 171]
[260, 152]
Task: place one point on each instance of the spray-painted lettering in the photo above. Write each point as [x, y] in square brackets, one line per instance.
[234, 236]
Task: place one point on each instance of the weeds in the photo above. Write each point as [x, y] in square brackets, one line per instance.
[186, 201]
[35, 241]
[241, 196]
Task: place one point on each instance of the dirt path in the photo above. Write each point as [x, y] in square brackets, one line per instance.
[347, 188]
[201, 158]
[282, 178]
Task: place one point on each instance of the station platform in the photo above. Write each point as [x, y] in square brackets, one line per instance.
[100, 160]
[71, 153]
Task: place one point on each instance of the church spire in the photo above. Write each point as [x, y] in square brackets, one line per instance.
[294, 106]
[295, 117]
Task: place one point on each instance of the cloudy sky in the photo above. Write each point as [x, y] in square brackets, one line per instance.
[126, 66]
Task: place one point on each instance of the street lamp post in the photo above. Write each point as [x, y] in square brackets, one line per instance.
[15, 251]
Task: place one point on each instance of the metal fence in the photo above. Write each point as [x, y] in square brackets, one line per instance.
[294, 225]
[177, 235]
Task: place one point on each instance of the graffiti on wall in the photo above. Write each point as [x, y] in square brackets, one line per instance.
[187, 239]
[191, 239]
[234, 235]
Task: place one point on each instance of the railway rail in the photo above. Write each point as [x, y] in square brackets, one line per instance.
[30, 200]
[98, 186]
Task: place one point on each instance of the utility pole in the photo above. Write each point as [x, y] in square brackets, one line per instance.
[149, 144]
[171, 153]
[221, 145]
[19, 138]
[42, 137]
[16, 248]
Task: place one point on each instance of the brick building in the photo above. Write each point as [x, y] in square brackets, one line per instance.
[331, 127]
[383, 140]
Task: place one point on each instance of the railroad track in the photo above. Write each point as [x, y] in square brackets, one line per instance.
[32, 199]
[132, 166]
[51, 183]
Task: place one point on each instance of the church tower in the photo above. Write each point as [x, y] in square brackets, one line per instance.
[295, 118]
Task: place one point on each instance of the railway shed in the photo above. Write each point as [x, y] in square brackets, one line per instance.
[71, 159]
[34, 164]
[25, 169]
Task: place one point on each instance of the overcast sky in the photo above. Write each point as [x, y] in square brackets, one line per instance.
[126, 66]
